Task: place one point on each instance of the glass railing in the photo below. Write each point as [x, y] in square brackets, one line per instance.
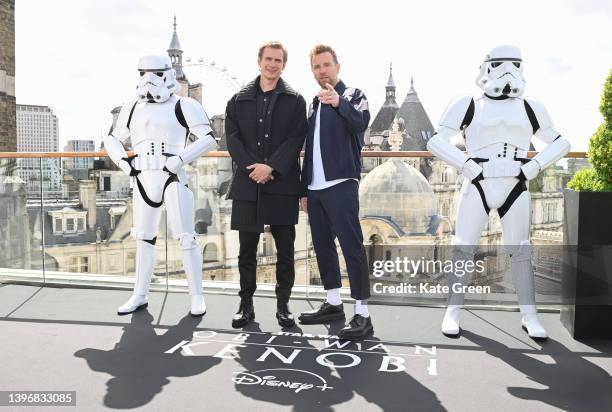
[72, 226]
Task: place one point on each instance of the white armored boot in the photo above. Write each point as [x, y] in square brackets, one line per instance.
[530, 322]
[522, 272]
[145, 262]
[450, 323]
[192, 262]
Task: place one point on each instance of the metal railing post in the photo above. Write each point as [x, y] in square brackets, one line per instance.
[42, 219]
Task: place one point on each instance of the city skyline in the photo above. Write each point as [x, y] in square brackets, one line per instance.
[90, 59]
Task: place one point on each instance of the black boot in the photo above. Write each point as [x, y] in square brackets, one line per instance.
[245, 314]
[357, 329]
[324, 314]
[284, 316]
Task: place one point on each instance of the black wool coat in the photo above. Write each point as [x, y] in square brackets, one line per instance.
[286, 131]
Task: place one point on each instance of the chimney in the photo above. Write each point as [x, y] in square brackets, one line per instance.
[87, 196]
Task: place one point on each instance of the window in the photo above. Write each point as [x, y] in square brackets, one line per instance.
[445, 209]
[70, 224]
[447, 175]
[58, 225]
[107, 183]
[549, 213]
[264, 247]
[85, 264]
[81, 225]
[79, 264]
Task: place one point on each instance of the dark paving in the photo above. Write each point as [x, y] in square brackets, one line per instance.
[162, 359]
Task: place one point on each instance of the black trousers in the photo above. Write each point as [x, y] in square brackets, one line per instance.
[284, 238]
[334, 212]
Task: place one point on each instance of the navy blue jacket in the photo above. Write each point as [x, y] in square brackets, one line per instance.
[342, 131]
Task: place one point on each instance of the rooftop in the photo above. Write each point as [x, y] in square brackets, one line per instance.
[162, 359]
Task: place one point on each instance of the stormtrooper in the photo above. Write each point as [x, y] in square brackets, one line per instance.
[160, 124]
[498, 128]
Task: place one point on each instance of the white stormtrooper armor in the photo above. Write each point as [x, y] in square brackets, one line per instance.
[159, 124]
[498, 128]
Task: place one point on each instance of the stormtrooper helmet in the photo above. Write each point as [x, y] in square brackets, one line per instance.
[501, 72]
[157, 79]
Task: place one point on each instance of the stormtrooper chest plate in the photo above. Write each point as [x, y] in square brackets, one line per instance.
[498, 122]
[154, 125]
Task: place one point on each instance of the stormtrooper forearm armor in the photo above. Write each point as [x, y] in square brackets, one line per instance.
[450, 126]
[114, 149]
[553, 152]
[199, 125]
[112, 142]
[555, 146]
[204, 144]
[441, 147]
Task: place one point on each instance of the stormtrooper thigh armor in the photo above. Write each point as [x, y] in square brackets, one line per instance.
[159, 124]
[498, 128]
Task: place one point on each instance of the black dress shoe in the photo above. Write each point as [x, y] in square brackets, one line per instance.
[357, 329]
[284, 316]
[324, 314]
[245, 313]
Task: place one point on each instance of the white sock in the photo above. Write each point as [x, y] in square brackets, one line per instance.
[333, 297]
[361, 308]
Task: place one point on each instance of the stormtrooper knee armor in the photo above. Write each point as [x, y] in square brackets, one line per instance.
[498, 128]
[158, 123]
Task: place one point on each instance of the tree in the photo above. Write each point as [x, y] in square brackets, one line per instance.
[599, 178]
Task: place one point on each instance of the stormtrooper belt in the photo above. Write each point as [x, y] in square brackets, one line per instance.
[143, 193]
[516, 191]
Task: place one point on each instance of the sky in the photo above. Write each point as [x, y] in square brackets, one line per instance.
[80, 56]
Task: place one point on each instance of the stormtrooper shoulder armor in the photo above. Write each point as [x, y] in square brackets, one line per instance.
[459, 113]
[121, 131]
[193, 112]
[538, 115]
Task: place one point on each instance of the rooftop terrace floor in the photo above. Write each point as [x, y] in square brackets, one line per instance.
[163, 359]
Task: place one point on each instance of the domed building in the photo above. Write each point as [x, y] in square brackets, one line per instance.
[400, 194]
[398, 216]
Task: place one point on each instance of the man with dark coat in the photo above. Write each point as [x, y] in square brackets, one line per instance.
[265, 127]
[337, 121]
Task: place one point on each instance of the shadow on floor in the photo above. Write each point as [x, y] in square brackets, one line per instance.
[573, 383]
[139, 367]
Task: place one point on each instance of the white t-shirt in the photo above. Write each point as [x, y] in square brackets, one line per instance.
[318, 173]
